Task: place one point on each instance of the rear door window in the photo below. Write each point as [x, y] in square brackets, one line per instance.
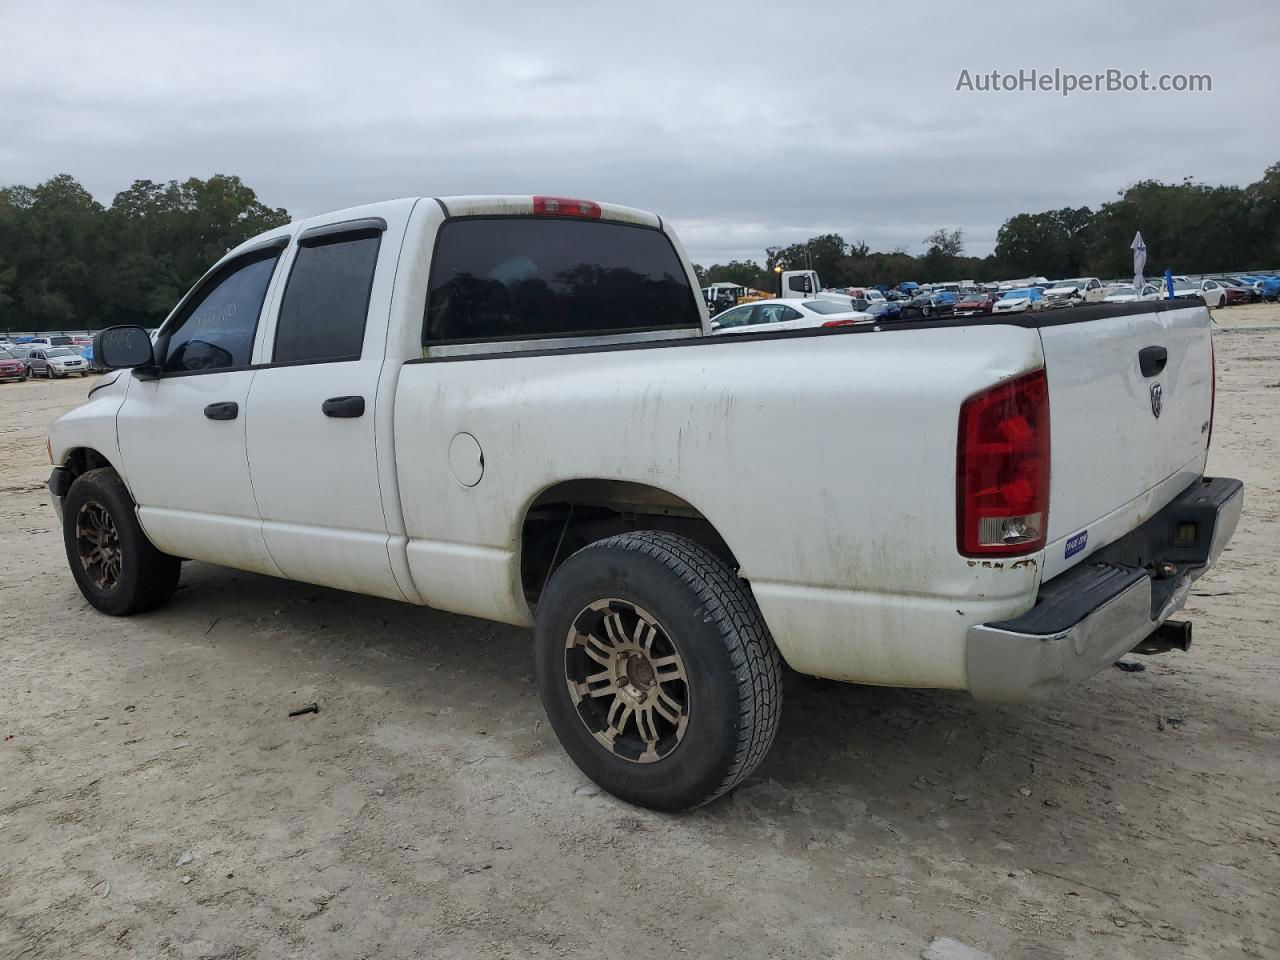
[326, 302]
[776, 313]
[526, 278]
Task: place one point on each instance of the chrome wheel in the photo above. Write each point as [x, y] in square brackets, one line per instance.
[627, 680]
[98, 543]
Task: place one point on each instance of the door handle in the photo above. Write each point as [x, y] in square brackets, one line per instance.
[222, 411]
[347, 407]
[1151, 360]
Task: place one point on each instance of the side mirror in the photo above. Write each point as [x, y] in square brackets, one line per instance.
[117, 348]
[715, 324]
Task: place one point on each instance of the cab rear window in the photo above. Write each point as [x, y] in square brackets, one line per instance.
[527, 278]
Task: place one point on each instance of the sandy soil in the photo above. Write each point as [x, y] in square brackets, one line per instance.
[426, 811]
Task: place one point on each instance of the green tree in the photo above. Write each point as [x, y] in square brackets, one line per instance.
[66, 261]
[744, 273]
[822, 253]
[1188, 227]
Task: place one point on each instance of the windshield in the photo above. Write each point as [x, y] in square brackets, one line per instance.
[6, 355]
[825, 307]
[1122, 290]
[1077, 282]
[59, 352]
[1015, 294]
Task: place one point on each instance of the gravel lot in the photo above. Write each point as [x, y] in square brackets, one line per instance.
[156, 801]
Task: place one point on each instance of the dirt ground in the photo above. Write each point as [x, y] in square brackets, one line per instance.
[157, 801]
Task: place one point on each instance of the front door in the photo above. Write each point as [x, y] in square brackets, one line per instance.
[314, 409]
[182, 435]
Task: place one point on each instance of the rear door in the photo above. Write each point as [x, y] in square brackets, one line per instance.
[314, 412]
[1129, 407]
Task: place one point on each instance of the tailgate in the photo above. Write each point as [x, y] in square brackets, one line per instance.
[1124, 440]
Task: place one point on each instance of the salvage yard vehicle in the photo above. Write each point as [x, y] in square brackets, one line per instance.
[511, 408]
[56, 362]
[12, 367]
[1018, 301]
[1210, 291]
[975, 304]
[1069, 293]
[1128, 293]
[785, 315]
[1237, 292]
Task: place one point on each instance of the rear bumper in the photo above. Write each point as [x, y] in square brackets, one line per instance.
[1088, 617]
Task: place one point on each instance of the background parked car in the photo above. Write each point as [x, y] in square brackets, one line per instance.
[1268, 285]
[974, 304]
[1236, 292]
[56, 362]
[1210, 291]
[1127, 293]
[883, 311]
[86, 350]
[929, 306]
[1019, 301]
[11, 367]
[770, 315]
[1062, 293]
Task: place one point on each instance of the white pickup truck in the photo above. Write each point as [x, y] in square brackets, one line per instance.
[511, 407]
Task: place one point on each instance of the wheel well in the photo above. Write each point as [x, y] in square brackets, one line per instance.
[566, 517]
[83, 459]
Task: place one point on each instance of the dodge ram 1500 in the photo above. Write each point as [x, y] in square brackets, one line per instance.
[511, 407]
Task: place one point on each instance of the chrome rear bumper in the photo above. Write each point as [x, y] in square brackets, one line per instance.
[1090, 616]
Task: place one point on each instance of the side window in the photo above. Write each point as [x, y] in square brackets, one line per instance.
[738, 317]
[776, 313]
[326, 302]
[215, 330]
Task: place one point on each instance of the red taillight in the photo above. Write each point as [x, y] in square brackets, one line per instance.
[1002, 468]
[565, 207]
[1213, 388]
[842, 323]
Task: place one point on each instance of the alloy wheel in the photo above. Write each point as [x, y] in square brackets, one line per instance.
[98, 543]
[627, 680]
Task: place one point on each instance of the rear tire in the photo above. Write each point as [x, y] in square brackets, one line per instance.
[115, 566]
[656, 669]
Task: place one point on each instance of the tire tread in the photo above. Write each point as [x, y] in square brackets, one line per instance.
[757, 665]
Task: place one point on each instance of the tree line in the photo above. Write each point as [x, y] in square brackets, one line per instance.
[68, 262]
[1188, 227]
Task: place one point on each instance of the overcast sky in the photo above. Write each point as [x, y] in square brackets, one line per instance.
[744, 124]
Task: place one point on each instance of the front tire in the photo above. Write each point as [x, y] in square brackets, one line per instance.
[115, 566]
[656, 669]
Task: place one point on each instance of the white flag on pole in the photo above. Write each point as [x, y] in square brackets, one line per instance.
[1139, 248]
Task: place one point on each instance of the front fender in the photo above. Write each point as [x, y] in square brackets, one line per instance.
[92, 425]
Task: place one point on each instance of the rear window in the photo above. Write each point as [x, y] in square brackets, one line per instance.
[524, 278]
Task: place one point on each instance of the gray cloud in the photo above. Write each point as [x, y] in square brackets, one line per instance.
[744, 124]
